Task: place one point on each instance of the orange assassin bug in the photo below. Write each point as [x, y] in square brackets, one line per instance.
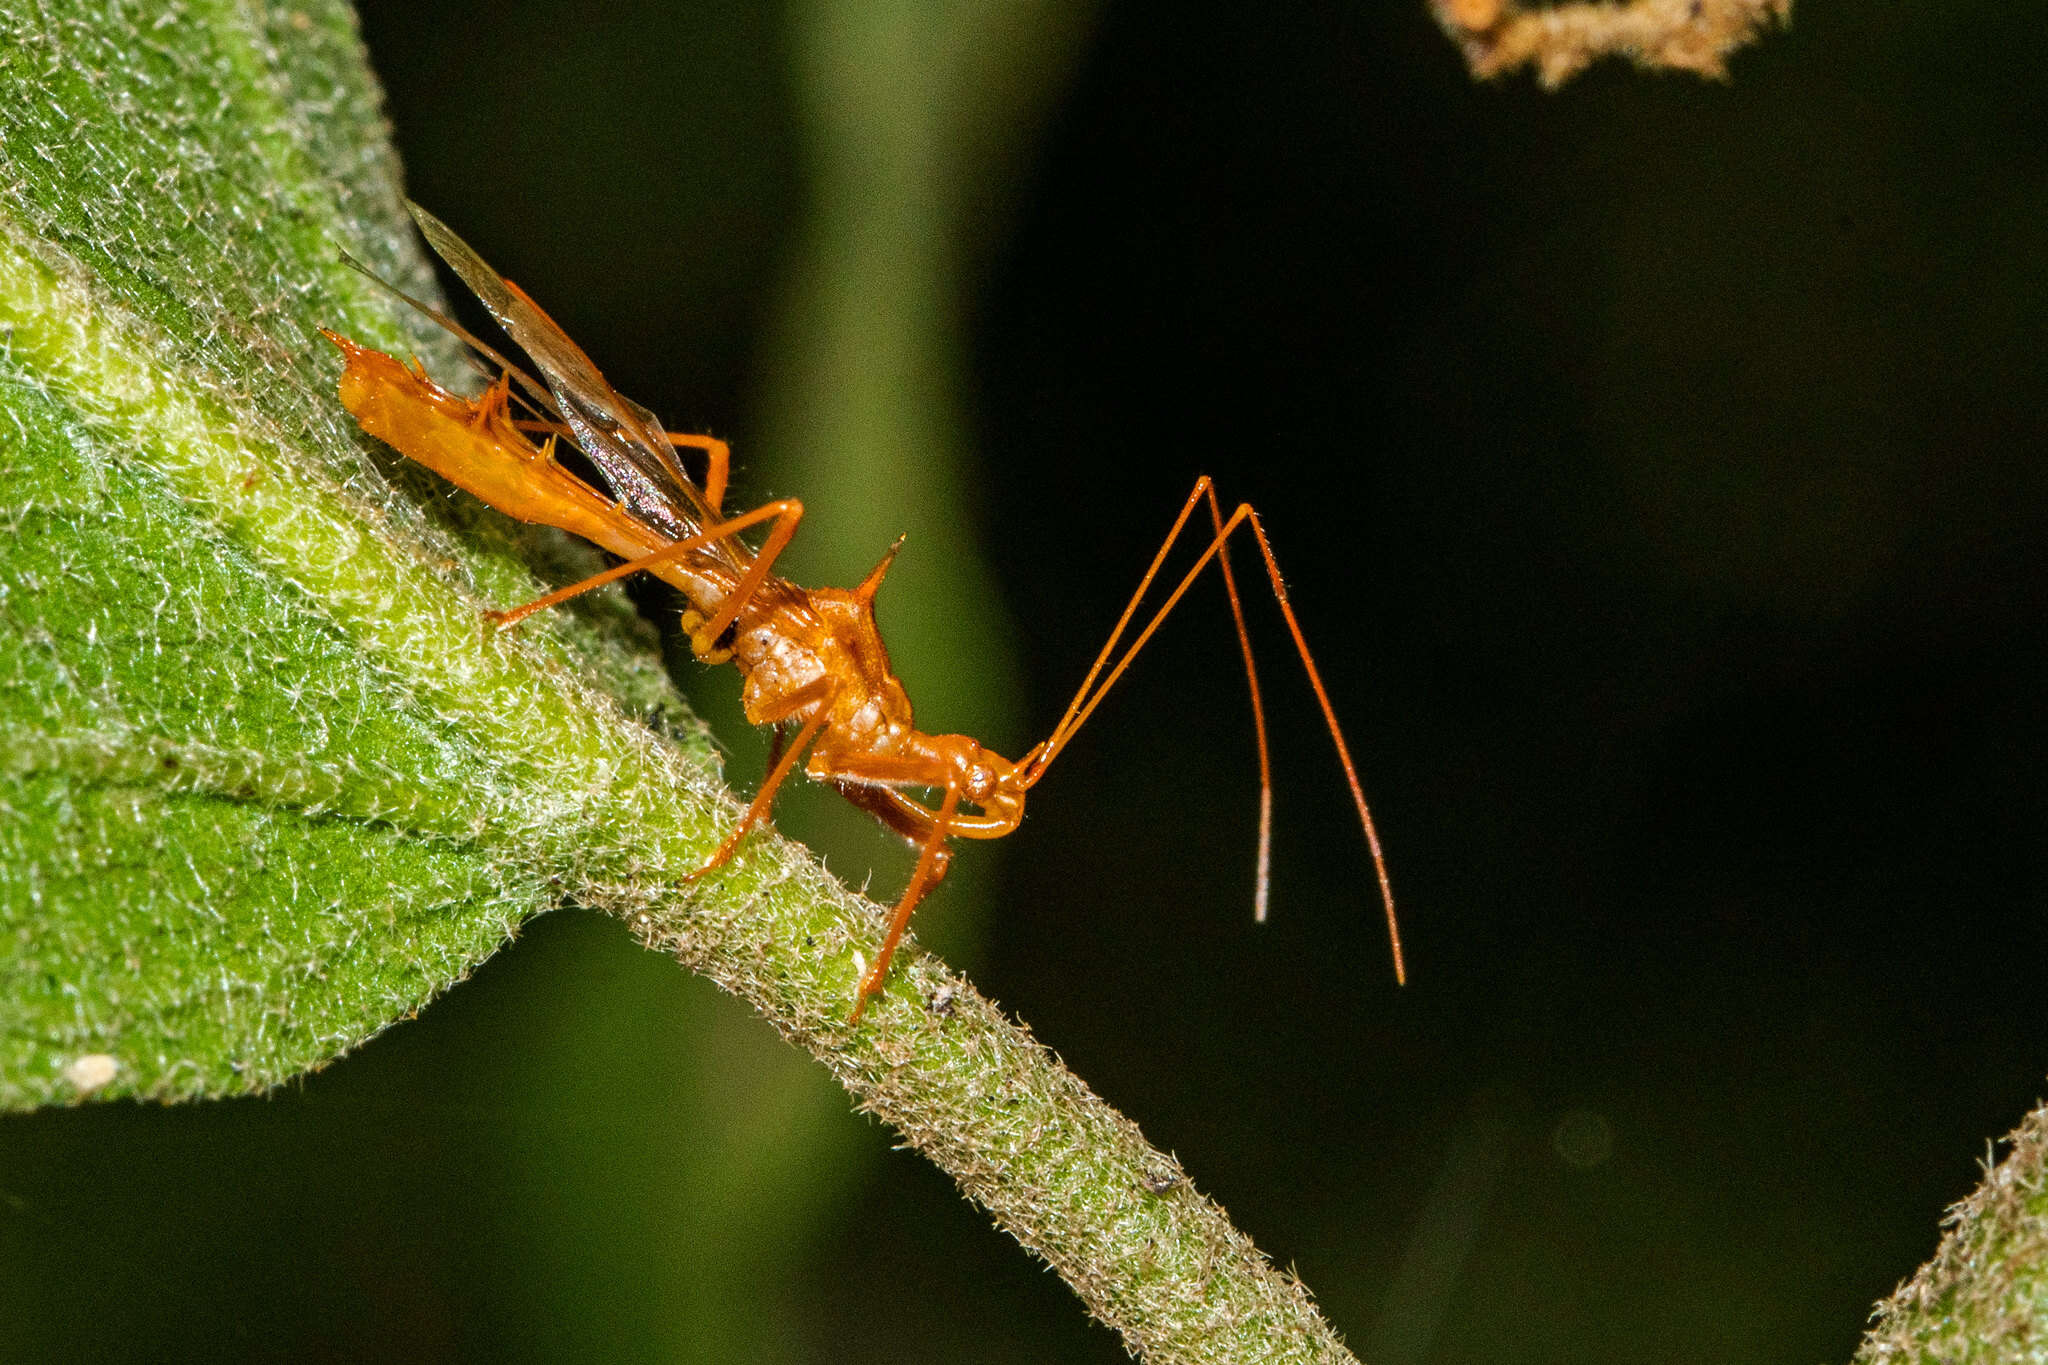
[811, 658]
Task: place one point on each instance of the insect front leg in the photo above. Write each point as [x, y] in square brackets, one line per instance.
[933, 860]
[819, 692]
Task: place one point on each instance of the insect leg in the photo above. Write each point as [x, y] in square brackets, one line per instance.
[786, 513]
[717, 454]
[932, 861]
[718, 463]
[764, 799]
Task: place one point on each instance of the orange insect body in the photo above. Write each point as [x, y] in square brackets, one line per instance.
[811, 658]
[477, 446]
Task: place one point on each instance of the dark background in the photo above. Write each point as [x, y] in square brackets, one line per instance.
[1655, 465]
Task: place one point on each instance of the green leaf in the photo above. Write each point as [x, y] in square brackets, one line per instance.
[269, 784]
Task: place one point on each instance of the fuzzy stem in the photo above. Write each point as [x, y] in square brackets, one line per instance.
[1060, 1170]
[1984, 1296]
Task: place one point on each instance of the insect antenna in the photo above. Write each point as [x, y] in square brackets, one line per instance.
[1098, 683]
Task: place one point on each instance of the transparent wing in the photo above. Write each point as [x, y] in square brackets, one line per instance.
[623, 439]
